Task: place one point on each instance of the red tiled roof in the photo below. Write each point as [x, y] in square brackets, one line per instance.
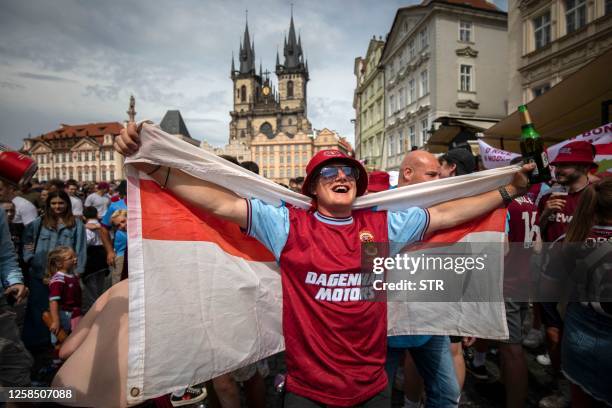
[85, 130]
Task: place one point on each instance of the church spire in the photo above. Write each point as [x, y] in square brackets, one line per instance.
[247, 53]
[292, 51]
[233, 71]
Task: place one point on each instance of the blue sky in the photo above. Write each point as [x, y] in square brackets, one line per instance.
[69, 61]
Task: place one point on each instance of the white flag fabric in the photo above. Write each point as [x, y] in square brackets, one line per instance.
[493, 157]
[204, 299]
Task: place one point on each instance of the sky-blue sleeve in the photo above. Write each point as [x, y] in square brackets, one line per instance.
[407, 226]
[269, 225]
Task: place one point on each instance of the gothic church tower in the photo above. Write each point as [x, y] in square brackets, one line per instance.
[258, 107]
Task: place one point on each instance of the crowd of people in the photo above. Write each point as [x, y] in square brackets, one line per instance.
[70, 240]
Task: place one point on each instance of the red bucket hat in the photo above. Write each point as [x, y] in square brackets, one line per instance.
[324, 157]
[378, 181]
[578, 152]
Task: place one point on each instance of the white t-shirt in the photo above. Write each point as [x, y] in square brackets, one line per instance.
[77, 205]
[25, 212]
[93, 237]
[100, 202]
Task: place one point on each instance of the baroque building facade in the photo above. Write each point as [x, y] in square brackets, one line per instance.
[443, 60]
[368, 103]
[81, 152]
[551, 39]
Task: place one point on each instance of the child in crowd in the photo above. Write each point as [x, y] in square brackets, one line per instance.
[119, 220]
[64, 291]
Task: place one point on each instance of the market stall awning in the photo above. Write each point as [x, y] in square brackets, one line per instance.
[479, 125]
[449, 129]
[568, 109]
[439, 140]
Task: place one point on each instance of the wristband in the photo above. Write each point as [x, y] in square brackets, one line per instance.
[505, 195]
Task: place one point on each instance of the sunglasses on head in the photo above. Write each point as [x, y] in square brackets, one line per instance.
[329, 173]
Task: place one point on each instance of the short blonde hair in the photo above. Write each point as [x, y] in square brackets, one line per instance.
[119, 213]
[55, 259]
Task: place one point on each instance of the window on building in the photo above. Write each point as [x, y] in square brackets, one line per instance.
[424, 130]
[412, 92]
[282, 172]
[391, 145]
[289, 89]
[112, 175]
[424, 83]
[402, 97]
[371, 115]
[540, 90]
[541, 30]
[424, 39]
[412, 136]
[465, 31]
[243, 96]
[112, 154]
[103, 155]
[412, 49]
[265, 173]
[391, 104]
[266, 129]
[365, 118]
[465, 78]
[575, 15]
[401, 139]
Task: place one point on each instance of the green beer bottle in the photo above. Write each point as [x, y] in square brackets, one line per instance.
[532, 149]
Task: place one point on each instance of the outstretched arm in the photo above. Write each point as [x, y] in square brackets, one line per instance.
[199, 193]
[452, 213]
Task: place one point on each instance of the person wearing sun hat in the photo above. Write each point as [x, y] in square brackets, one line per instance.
[334, 339]
[378, 181]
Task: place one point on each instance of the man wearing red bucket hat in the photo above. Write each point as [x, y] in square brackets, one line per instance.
[572, 165]
[335, 340]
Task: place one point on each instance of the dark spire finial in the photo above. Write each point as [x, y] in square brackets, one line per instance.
[247, 51]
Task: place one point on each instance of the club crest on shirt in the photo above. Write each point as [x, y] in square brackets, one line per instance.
[366, 236]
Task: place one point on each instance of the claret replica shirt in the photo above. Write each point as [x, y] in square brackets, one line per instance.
[559, 221]
[335, 341]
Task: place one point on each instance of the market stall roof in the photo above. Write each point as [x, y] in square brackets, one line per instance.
[568, 109]
[450, 128]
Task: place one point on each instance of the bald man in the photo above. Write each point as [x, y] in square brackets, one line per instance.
[418, 166]
[428, 359]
